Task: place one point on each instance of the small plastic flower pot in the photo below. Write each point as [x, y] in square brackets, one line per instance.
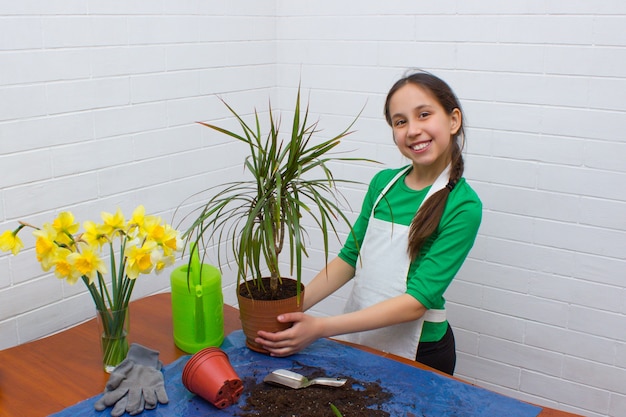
[210, 375]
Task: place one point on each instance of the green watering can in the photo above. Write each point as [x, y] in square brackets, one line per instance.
[197, 306]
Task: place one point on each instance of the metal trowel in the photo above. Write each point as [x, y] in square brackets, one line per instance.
[294, 380]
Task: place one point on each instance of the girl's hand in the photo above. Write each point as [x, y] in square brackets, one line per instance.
[304, 331]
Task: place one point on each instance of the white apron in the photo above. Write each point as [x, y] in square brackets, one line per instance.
[381, 273]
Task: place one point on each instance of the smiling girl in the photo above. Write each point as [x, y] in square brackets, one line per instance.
[416, 227]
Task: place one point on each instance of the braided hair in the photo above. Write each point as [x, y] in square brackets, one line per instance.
[428, 216]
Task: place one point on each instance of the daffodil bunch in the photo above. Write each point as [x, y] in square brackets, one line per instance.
[143, 244]
[138, 246]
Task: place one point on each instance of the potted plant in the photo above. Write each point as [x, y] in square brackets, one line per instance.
[262, 217]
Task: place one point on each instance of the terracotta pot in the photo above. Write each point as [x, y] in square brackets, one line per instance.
[258, 315]
[210, 375]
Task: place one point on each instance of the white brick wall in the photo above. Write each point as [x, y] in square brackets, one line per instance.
[98, 100]
[97, 109]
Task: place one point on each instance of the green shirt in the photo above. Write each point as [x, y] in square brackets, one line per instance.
[444, 251]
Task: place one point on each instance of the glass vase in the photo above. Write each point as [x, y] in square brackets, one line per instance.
[113, 326]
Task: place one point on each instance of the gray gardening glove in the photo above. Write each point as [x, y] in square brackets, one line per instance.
[135, 384]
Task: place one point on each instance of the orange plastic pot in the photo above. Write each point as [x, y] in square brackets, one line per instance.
[210, 375]
[258, 315]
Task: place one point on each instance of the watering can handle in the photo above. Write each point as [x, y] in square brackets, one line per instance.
[195, 273]
[195, 269]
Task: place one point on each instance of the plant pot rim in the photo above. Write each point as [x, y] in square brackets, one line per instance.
[251, 284]
[198, 359]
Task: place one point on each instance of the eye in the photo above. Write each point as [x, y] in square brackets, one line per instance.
[424, 114]
[399, 122]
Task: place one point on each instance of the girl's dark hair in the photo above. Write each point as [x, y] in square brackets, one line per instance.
[428, 216]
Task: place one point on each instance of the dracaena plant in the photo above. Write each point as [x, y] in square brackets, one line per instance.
[262, 216]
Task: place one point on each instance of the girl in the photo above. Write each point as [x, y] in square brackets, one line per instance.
[416, 227]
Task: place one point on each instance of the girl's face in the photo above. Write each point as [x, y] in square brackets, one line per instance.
[422, 129]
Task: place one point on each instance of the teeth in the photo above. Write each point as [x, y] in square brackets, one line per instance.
[420, 146]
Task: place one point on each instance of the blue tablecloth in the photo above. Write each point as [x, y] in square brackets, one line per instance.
[419, 392]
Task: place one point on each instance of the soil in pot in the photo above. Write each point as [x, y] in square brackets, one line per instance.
[286, 289]
[354, 399]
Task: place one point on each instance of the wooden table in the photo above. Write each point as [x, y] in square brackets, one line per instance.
[47, 375]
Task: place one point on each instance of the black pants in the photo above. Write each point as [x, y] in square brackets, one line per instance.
[440, 355]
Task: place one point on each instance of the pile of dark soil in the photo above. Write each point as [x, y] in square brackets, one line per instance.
[354, 399]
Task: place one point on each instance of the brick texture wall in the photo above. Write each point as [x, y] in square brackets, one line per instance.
[97, 108]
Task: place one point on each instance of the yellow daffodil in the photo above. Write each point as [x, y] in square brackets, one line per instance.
[161, 259]
[138, 216]
[140, 259]
[63, 268]
[65, 227]
[153, 228]
[95, 234]
[113, 222]
[163, 262]
[171, 240]
[45, 245]
[87, 263]
[9, 241]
